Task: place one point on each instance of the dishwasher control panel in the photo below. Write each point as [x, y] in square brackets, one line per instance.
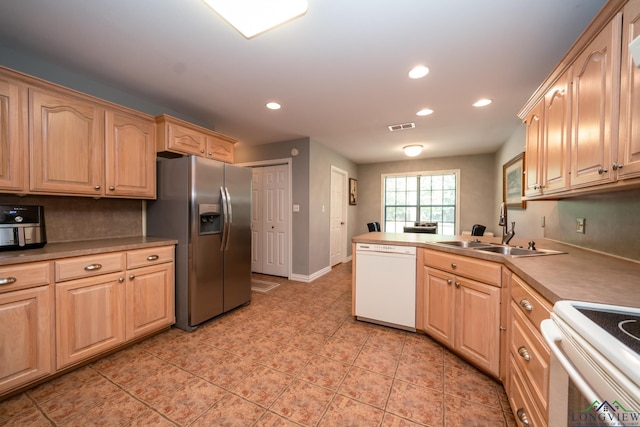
[393, 249]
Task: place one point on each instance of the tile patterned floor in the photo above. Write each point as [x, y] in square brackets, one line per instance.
[293, 357]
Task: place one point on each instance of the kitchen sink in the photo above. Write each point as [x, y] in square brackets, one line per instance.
[518, 252]
[465, 244]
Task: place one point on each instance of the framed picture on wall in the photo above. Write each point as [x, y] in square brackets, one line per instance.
[353, 191]
[513, 182]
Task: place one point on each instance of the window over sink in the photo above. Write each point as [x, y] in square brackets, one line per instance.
[413, 197]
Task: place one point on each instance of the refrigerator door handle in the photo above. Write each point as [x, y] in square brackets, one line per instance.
[225, 219]
[230, 218]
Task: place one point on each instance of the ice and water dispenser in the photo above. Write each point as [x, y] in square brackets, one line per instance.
[210, 219]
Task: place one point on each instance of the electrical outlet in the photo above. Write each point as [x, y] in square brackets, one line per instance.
[580, 225]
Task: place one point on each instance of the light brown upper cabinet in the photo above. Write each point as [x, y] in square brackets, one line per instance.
[596, 74]
[13, 160]
[533, 169]
[627, 163]
[555, 154]
[130, 155]
[66, 144]
[178, 136]
[80, 147]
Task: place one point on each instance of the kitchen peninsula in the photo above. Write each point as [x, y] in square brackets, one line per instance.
[487, 307]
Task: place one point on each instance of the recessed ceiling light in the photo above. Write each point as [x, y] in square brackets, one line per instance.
[482, 102]
[418, 72]
[252, 17]
[424, 112]
[273, 106]
[412, 150]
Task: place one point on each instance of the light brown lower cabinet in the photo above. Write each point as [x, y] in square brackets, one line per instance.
[69, 310]
[25, 336]
[460, 312]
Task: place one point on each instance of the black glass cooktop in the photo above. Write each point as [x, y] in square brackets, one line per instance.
[624, 326]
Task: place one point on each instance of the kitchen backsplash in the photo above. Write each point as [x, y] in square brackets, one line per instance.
[78, 218]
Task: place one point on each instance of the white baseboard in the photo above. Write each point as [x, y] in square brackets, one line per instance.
[311, 278]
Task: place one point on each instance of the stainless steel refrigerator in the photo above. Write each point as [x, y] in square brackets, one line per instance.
[206, 206]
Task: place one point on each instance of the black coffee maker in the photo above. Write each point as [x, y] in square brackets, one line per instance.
[21, 227]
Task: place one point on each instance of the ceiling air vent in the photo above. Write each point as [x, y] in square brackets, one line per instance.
[402, 126]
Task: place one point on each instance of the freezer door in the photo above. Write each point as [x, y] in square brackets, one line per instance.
[206, 275]
[237, 252]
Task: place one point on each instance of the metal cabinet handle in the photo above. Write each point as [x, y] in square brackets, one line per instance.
[617, 166]
[524, 353]
[454, 265]
[522, 416]
[111, 188]
[152, 257]
[602, 170]
[449, 281]
[131, 277]
[93, 267]
[526, 305]
[457, 284]
[121, 279]
[97, 187]
[7, 280]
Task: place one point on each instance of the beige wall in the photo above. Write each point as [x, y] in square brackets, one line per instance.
[476, 188]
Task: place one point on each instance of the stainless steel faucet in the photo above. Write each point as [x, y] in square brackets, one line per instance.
[507, 234]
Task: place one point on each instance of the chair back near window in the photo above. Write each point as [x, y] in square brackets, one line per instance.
[373, 226]
[478, 230]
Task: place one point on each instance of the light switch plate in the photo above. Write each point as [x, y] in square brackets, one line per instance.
[580, 225]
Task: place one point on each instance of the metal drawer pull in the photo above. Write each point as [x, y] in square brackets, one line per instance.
[449, 281]
[454, 265]
[152, 257]
[93, 267]
[522, 351]
[526, 305]
[457, 284]
[131, 277]
[522, 416]
[7, 280]
[121, 279]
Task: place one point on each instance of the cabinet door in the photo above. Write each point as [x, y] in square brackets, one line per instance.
[184, 140]
[555, 158]
[25, 336]
[629, 143]
[533, 154]
[67, 144]
[89, 317]
[595, 95]
[220, 149]
[130, 157]
[13, 159]
[477, 334]
[438, 312]
[149, 299]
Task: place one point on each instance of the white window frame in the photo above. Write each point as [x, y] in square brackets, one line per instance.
[423, 173]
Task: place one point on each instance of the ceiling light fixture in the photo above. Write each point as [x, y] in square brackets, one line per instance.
[273, 105]
[424, 112]
[418, 72]
[482, 102]
[252, 17]
[412, 150]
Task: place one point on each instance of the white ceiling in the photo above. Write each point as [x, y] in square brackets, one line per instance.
[340, 71]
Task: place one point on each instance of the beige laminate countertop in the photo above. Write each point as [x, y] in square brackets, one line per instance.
[85, 247]
[577, 275]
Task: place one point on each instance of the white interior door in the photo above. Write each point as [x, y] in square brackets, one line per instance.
[338, 220]
[256, 221]
[275, 224]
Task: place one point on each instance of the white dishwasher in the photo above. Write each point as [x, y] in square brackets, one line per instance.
[386, 285]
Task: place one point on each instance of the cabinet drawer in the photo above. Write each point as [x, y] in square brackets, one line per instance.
[527, 343]
[21, 276]
[520, 400]
[529, 302]
[149, 256]
[485, 271]
[87, 266]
